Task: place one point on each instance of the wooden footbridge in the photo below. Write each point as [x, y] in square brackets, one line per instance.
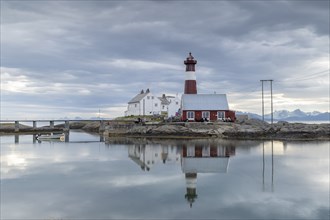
[52, 123]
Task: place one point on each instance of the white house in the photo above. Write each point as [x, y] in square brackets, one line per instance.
[170, 105]
[145, 103]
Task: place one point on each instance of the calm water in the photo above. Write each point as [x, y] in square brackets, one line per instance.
[163, 179]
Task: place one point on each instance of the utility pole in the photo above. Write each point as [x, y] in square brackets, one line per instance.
[262, 100]
[271, 98]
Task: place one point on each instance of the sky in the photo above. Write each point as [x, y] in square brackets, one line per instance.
[89, 58]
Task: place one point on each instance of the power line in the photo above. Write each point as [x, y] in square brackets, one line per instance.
[307, 77]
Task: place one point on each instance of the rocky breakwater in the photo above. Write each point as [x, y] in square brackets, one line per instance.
[247, 129]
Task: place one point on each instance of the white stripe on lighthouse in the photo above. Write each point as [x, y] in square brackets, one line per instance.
[191, 182]
[190, 75]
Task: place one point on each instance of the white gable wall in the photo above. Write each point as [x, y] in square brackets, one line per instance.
[148, 105]
[174, 106]
[133, 109]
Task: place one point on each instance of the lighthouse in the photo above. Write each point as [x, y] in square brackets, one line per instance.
[191, 195]
[190, 86]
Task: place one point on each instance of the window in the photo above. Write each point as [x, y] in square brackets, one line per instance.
[163, 106]
[156, 104]
[135, 105]
[148, 97]
[221, 115]
[206, 115]
[191, 115]
[206, 151]
[177, 103]
[152, 97]
[190, 151]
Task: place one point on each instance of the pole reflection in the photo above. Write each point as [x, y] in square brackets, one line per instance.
[270, 150]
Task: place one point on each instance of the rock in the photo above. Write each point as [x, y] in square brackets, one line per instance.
[282, 123]
[249, 129]
[77, 125]
[91, 126]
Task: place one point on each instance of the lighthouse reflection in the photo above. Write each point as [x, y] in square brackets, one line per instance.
[203, 159]
[194, 158]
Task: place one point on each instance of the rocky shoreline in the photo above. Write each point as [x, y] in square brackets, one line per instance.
[247, 129]
[251, 129]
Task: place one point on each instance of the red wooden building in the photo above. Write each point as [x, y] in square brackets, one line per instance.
[206, 107]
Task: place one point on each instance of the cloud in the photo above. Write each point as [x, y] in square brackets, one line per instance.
[139, 65]
[107, 51]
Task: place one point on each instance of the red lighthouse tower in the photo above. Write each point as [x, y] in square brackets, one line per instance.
[190, 86]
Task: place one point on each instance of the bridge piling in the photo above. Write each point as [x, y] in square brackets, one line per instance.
[102, 126]
[66, 126]
[16, 126]
[51, 124]
[16, 138]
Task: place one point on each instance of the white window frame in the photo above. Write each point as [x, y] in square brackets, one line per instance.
[221, 113]
[206, 114]
[190, 151]
[206, 151]
[193, 115]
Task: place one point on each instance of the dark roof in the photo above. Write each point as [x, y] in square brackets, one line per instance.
[164, 100]
[138, 98]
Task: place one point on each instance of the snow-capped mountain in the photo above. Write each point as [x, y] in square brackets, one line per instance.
[296, 115]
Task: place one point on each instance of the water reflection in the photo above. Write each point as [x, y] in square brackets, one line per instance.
[194, 158]
[218, 179]
[208, 158]
[66, 137]
[264, 164]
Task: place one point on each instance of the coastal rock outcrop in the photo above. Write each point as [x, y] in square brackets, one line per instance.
[248, 129]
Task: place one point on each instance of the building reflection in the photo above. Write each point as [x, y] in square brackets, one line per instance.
[194, 158]
[146, 155]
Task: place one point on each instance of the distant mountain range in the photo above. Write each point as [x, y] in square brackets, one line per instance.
[296, 115]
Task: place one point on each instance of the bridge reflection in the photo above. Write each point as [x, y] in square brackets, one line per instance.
[65, 139]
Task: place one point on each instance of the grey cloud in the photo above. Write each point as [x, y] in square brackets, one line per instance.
[238, 42]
